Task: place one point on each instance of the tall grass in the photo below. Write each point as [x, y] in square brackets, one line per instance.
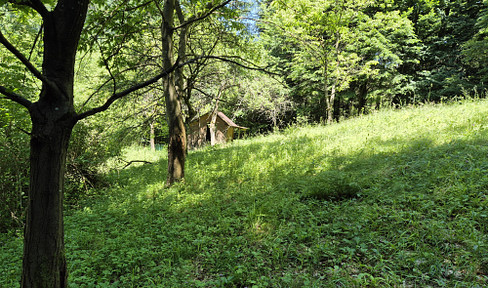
[392, 199]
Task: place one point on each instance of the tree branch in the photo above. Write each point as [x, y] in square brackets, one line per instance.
[138, 6]
[34, 4]
[179, 12]
[35, 42]
[39, 7]
[105, 83]
[136, 161]
[15, 97]
[27, 63]
[21, 57]
[195, 19]
[229, 59]
[119, 95]
[126, 92]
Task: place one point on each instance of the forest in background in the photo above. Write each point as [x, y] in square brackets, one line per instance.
[269, 65]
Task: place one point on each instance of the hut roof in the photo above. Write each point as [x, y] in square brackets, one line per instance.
[223, 117]
[228, 121]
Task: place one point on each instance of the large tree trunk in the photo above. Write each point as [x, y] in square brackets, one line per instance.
[177, 132]
[177, 135]
[53, 117]
[44, 263]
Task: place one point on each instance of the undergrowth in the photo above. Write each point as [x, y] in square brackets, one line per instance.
[392, 199]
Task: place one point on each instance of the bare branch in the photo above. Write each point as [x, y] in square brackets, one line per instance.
[15, 97]
[138, 6]
[107, 66]
[203, 93]
[136, 161]
[105, 83]
[24, 131]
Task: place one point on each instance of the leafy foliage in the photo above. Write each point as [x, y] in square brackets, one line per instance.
[364, 54]
[14, 156]
[376, 54]
[444, 27]
[473, 49]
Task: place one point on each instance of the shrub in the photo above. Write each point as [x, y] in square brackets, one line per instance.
[14, 176]
[90, 147]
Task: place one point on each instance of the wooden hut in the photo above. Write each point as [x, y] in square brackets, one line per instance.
[199, 130]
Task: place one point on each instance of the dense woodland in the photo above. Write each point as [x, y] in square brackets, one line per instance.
[80, 82]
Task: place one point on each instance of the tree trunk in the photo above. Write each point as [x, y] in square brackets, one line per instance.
[187, 97]
[212, 125]
[183, 42]
[331, 98]
[363, 90]
[177, 135]
[184, 85]
[152, 141]
[177, 132]
[44, 263]
[329, 107]
[215, 112]
[337, 108]
[53, 118]
[330, 103]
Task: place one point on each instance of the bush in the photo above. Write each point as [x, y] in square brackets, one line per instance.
[14, 176]
[90, 146]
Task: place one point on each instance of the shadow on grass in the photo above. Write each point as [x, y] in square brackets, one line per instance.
[284, 212]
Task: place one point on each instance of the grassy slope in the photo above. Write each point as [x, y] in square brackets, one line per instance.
[397, 198]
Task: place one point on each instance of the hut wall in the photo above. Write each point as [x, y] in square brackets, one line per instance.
[221, 133]
[197, 134]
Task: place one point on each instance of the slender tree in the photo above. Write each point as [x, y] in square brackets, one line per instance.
[314, 38]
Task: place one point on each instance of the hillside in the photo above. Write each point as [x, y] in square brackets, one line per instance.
[392, 199]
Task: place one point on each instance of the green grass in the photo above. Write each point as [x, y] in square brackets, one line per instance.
[393, 199]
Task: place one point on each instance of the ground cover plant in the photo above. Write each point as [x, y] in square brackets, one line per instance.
[391, 199]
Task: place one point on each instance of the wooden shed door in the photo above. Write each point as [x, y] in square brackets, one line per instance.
[208, 136]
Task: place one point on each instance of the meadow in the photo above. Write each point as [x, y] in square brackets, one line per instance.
[397, 198]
